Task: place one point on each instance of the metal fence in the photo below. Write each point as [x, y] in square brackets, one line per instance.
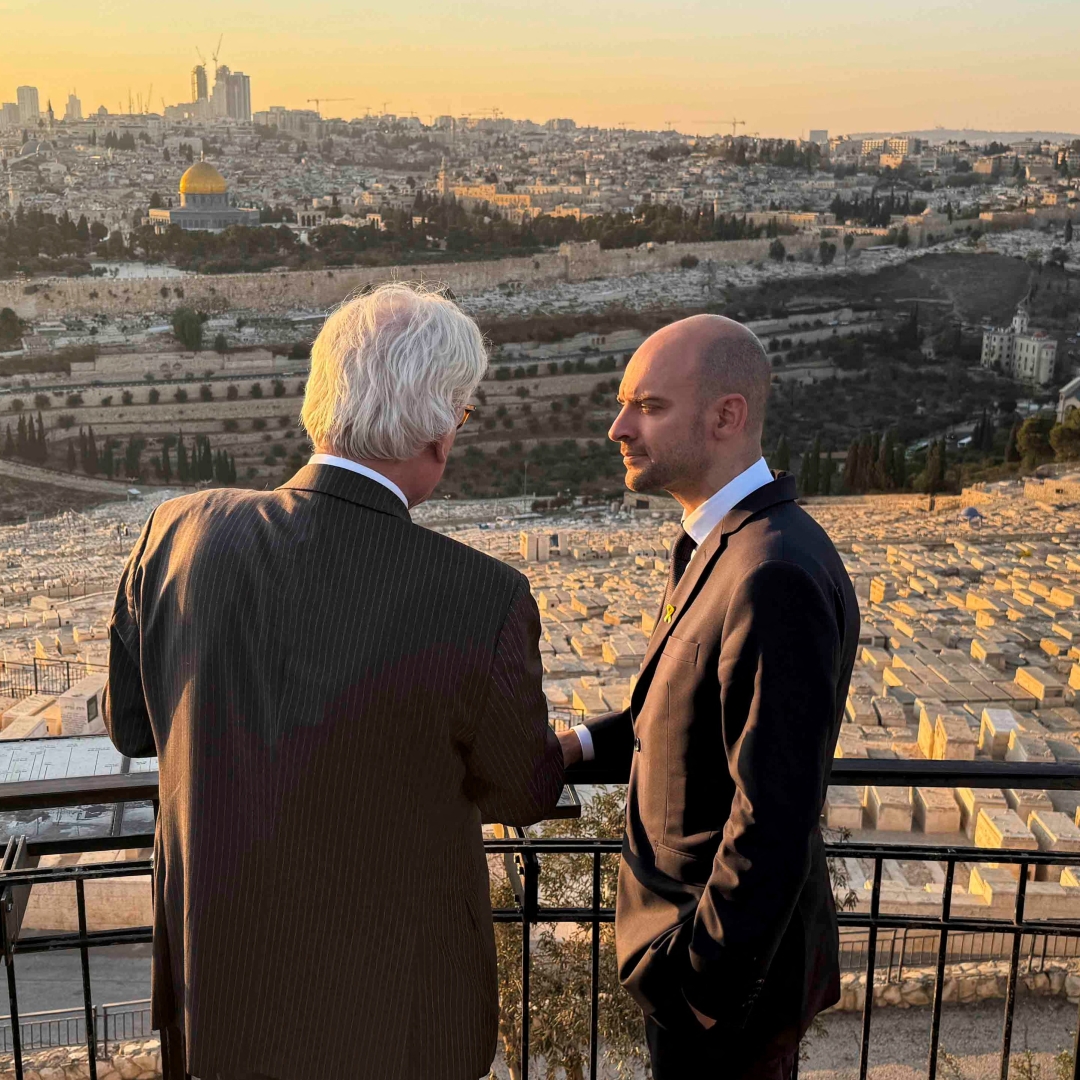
[900, 949]
[525, 857]
[113, 1023]
[40, 676]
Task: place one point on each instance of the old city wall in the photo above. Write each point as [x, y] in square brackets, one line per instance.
[281, 291]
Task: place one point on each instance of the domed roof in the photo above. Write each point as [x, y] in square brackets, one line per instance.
[203, 179]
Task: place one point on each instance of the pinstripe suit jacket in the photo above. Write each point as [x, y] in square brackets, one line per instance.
[336, 697]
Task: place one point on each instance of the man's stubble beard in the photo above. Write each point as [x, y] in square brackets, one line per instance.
[682, 464]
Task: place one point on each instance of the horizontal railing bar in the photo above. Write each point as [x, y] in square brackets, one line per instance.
[961, 924]
[573, 845]
[1022, 775]
[128, 935]
[143, 787]
[79, 791]
[76, 845]
[924, 853]
[51, 875]
[973, 774]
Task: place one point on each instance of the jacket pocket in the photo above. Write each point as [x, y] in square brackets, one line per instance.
[691, 868]
[681, 649]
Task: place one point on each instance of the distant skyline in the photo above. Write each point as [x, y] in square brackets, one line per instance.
[783, 66]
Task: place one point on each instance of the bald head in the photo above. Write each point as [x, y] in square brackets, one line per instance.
[729, 359]
[692, 408]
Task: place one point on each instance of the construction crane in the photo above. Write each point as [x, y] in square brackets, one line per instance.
[733, 123]
[214, 54]
[318, 101]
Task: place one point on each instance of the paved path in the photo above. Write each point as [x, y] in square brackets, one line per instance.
[970, 1042]
[18, 471]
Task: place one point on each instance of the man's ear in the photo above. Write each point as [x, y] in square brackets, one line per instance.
[441, 447]
[731, 414]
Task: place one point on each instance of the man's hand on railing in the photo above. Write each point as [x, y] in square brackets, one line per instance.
[571, 748]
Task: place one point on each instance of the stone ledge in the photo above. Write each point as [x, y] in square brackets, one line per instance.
[134, 1059]
[964, 983]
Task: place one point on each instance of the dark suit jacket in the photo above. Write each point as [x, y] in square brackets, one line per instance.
[724, 894]
[336, 697]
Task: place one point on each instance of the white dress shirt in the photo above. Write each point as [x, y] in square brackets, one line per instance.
[698, 524]
[363, 470]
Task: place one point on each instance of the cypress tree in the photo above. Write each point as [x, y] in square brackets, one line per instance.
[782, 457]
[9, 443]
[71, 459]
[815, 466]
[92, 463]
[899, 467]
[987, 445]
[181, 460]
[108, 460]
[82, 448]
[874, 478]
[828, 472]
[166, 465]
[41, 449]
[885, 461]
[20, 437]
[935, 467]
[1012, 449]
[864, 476]
[851, 467]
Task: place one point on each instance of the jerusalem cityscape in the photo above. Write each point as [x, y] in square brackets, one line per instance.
[171, 251]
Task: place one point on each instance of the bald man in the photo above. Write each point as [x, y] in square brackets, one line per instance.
[725, 924]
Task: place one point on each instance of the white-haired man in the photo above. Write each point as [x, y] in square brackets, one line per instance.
[336, 697]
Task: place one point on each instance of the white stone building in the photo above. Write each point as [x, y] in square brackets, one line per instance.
[1017, 350]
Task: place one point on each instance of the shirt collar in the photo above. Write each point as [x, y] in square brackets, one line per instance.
[363, 470]
[700, 522]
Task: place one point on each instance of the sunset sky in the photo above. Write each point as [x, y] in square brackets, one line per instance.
[784, 66]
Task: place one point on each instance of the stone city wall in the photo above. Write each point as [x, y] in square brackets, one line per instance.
[172, 365]
[279, 291]
[964, 983]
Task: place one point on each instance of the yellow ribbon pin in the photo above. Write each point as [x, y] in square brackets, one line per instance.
[668, 612]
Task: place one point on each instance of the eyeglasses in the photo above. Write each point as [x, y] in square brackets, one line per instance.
[469, 410]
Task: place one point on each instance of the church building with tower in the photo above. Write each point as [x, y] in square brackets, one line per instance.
[1018, 350]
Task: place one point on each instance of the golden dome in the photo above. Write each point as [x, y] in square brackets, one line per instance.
[203, 179]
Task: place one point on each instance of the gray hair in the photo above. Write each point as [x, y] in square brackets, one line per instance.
[391, 372]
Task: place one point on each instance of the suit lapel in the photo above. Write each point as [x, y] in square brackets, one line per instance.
[782, 489]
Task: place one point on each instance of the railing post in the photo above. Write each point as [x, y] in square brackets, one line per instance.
[13, 997]
[530, 868]
[35, 675]
[939, 985]
[594, 1013]
[1014, 971]
[84, 954]
[871, 958]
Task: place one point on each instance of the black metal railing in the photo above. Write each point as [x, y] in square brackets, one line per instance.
[114, 1023]
[1022, 937]
[43, 676]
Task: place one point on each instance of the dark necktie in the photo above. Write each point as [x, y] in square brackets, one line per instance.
[681, 551]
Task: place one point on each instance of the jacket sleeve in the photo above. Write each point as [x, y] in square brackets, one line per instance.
[514, 762]
[613, 749]
[777, 670]
[123, 705]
